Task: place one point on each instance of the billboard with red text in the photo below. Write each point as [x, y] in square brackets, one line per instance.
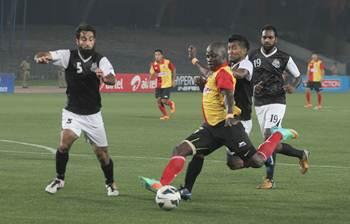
[130, 83]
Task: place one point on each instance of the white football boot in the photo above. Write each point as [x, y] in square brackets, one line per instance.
[54, 186]
[112, 189]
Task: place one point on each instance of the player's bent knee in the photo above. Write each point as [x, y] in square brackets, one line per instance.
[234, 163]
[235, 166]
[63, 148]
[256, 162]
[183, 149]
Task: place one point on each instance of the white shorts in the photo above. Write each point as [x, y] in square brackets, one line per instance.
[270, 116]
[247, 126]
[92, 126]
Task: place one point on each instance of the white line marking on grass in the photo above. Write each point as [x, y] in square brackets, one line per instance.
[53, 151]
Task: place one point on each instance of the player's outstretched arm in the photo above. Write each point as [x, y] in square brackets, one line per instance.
[192, 55]
[43, 57]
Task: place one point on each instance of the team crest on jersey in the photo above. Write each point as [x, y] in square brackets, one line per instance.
[93, 67]
[276, 63]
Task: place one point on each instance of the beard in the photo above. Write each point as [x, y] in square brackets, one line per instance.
[85, 53]
[268, 48]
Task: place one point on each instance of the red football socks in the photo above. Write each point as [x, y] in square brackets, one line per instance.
[162, 109]
[171, 104]
[174, 167]
[269, 146]
[319, 99]
[308, 97]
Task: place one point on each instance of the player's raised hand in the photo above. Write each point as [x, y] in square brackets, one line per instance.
[43, 58]
[192, 52]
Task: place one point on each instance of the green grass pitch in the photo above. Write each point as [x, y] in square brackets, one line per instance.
[140, 144]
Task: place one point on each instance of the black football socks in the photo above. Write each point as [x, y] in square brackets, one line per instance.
[289, 150]
[193, 170]
[61, 163]
[270, 166]
[108, 172]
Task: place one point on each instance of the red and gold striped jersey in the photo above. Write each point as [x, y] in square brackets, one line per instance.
[315, 71]
[213, 100]
[164, 73]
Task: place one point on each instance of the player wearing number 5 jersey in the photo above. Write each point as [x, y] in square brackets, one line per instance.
[85, 69]
[270, 95]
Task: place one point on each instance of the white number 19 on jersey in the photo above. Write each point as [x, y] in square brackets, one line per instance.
[257, 62]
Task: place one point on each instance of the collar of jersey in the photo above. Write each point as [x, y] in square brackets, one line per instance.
[268, 55]
[221, 66]
[313, 61]
[81, 57]
[245, 58]
[161, 62]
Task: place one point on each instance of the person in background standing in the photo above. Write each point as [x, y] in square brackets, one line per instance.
[25, 71]
[315, 74]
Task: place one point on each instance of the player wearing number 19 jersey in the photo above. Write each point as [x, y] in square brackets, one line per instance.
[85, 69]
[270, 95]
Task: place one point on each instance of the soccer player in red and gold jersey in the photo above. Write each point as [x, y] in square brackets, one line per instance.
[220, 127]
[165, 73]
[315, 73]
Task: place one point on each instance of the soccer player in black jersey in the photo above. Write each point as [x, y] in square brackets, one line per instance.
[270, 95]
[85, 69]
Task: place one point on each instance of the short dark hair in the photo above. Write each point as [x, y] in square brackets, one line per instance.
[241, 39]
[84, 27]
[270, 27]
[158, 50]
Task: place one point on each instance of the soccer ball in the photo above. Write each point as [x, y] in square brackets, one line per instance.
[168, 197]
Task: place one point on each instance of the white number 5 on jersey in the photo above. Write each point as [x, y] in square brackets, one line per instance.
[79, 68]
